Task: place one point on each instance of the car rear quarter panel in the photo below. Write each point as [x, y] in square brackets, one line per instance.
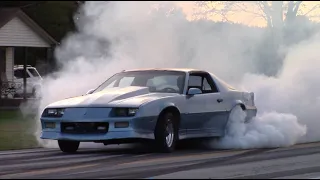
[245, 98]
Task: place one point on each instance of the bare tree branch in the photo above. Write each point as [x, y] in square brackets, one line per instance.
[250, 12]
[263, 15]
[290, 7]
[315, 16]
[312, 9]
[267, 11]
[296, 8]
[271, 12]
[253, 19]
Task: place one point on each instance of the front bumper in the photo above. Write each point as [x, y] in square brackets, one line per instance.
[141, 128]
[97, 137]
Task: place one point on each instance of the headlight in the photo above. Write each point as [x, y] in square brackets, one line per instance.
[125, 112]
[54, 112]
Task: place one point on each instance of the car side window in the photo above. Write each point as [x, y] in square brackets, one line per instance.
[33, 72]
[206, 86]
[18, 73]
[203, 82]
[195, 81]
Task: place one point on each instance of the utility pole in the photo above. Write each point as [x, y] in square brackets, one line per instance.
[25, 73]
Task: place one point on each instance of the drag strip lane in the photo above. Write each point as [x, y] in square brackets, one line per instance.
[116, 163]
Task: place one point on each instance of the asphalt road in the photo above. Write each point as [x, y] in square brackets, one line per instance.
[115, 162]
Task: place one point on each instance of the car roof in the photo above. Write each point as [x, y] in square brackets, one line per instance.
[164, 69]
[21, 66]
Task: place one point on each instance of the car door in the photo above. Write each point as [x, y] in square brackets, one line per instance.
[18, 75]
[35, 77]
[205, 109]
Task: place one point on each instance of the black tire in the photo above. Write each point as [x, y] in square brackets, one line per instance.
[68, 146]
[35, 91]
[33, 95]
[162, 145]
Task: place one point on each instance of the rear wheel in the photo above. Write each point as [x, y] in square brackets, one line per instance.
[68, 146]
[166, 132]
[36, 92]
[236, 121]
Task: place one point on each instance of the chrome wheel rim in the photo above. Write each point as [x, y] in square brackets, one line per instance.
[170, 133]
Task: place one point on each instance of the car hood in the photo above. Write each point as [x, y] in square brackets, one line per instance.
[132, 96]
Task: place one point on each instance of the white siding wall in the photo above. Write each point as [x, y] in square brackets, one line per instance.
[9, 63]
[17, 33]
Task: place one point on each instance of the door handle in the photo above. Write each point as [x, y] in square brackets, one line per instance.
[219, 100]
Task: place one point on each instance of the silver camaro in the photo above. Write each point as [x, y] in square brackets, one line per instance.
[162, 106]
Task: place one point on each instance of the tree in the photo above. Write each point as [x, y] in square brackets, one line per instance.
[286, 22]
[56, 17]
[277, 14]
[18, 3]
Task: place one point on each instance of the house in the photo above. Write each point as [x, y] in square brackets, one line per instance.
[18, 30]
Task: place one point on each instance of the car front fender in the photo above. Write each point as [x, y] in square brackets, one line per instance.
[155, 107]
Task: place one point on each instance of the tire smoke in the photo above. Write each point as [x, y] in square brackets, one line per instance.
[113, 36]
[268, 130]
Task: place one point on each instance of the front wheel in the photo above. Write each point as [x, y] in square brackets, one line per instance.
[166, 133]
[68, 146]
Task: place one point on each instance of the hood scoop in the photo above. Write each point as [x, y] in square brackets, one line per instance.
[134, 91]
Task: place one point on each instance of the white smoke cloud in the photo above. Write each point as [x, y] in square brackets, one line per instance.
[296, 90]
[267, 130]
[122, 35]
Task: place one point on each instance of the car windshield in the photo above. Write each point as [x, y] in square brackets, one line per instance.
[33, 72]
[157, 81]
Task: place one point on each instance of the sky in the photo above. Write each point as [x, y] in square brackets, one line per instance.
[250, 19]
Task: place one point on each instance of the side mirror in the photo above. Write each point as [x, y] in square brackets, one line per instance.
[90, 91]
[194, 91]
